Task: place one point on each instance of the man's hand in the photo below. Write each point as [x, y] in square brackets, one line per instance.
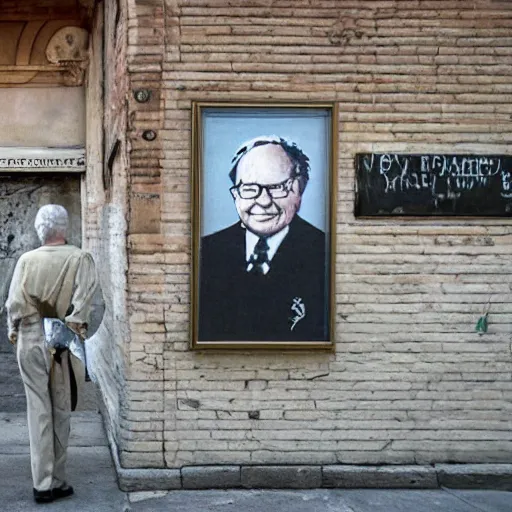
[80, 329]
[13, 337]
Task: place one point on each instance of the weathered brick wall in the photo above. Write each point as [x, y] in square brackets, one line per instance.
[141, 430]
[410, 380]
[104, 201]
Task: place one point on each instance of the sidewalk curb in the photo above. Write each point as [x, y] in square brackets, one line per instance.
[475, 476]
[460, 476]
[342, 476]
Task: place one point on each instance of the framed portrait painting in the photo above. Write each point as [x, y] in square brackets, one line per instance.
[263, 194]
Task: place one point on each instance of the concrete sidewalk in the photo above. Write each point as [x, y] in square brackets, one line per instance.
[92, 473]
[90, 468]
[323, 500]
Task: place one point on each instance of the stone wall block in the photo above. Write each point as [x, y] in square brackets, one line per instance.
[475, 476]
[390, 477]
[281, 477]
[211, 477]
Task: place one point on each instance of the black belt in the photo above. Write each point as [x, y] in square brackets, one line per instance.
[57, 357]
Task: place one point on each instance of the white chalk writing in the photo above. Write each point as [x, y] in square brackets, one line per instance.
[446, 176]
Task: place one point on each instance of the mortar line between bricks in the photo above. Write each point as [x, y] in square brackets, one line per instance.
[460, 498]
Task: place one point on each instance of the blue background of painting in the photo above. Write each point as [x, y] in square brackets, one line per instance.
[224, 131]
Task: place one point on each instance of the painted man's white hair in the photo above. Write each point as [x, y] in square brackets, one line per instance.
[51, 220]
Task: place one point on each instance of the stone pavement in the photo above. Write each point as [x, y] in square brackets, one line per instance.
[90, 467]
[91, 471]
[323, 500]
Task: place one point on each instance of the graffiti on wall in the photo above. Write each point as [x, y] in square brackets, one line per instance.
[436, 184]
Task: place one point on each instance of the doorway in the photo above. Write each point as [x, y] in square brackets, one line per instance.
[21, 195]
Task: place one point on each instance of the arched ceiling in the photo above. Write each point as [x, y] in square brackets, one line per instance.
[44, 42]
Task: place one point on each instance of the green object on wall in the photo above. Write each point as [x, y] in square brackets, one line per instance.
[481, 325]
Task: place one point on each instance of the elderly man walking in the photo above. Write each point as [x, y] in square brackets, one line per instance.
[56, 280]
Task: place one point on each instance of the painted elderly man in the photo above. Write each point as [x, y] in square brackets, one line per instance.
[263, 278]
[56, 280]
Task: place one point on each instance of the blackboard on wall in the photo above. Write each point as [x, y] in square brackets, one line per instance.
[401, 184]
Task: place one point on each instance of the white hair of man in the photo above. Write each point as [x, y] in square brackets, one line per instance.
[298, 158]
[51, 221]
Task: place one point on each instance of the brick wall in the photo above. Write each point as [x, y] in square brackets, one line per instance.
[410, 381]
[104, 201]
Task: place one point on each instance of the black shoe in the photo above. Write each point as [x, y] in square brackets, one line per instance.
[43, 496]
[62, 492]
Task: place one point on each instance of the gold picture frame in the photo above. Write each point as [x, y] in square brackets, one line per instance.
[263, 275]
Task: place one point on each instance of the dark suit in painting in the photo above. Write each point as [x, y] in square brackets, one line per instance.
[235, 305]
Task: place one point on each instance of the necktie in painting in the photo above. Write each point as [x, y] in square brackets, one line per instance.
[258, 262]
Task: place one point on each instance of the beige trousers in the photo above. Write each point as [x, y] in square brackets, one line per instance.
[47, 389]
